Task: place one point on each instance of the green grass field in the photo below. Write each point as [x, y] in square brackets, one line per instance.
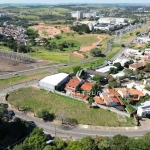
[57, 104]
[5, 83]
[4, 48]
[61, 57]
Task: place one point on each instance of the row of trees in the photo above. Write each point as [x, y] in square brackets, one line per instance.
[37, 141]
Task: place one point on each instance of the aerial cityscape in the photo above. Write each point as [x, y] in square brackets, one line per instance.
[74, 75]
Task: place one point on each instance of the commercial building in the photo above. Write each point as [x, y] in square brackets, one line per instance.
[144, 109]
[49, 83]
[77, 14]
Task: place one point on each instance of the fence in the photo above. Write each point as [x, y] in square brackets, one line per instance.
[114, 110]
[16, 56]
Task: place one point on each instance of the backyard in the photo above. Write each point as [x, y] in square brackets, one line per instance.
[57, 104]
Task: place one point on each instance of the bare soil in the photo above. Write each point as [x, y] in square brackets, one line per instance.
[9, 66]
[49, 31]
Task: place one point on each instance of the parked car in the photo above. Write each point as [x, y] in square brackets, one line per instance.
[4, 105]
[11, 113]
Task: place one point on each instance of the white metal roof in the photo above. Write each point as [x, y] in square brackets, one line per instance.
[120, 74]
[105, 69]
[54, 79]
[122, 61]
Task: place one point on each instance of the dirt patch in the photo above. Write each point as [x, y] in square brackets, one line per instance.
[85, 49]
[77, 54]
[9, 66]
[49, 31]
[93, 45]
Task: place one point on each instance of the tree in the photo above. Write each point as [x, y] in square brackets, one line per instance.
[49, 147]
[57, 37]
[128, 63]
[147, 68]
[36, 140]
[118, 65]
[76, 69]
[113, 70]
[119, 142]
[60, 144]
[98, 78]
[75, 145]
[128, 72]
[22, 147]
[90, 101]
[104, 144]
[88, 143]
[95, 52]
[45, 115]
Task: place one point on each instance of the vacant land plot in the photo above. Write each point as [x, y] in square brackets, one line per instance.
[9, 66]
[61, 57]
[57, 104]
[46, 31]
[5, 83]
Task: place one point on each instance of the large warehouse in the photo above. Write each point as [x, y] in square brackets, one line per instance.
[50, 82]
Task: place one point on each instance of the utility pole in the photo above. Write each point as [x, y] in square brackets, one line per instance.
[55, 131]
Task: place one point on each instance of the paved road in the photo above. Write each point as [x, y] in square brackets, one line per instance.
[76, 133]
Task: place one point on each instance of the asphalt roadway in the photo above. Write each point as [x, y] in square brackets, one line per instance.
[74, 133]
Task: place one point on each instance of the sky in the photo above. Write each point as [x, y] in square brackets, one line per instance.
[74, 1]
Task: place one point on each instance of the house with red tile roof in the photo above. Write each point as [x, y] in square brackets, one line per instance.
[108, 97]
[134, 94]
[86, 86]
[72, 84]
[99, 100]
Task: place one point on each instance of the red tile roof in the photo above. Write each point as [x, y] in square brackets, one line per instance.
[72, 84]
[112, 96]
[78, 95]
[99, 100]
[86, 86]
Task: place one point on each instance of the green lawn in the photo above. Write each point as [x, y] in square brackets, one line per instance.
[5, 83]
[4, 48]
[61, 57]
[57, 104]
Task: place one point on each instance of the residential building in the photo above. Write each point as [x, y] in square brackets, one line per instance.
[72, 85]
[122, 61]
[109, 97]
[49, 83]
[137, 65]
[77, 14]
[93, 73]
[119, 74]
[86, 86]
[144, 109]
[133, 94]
[105, 69]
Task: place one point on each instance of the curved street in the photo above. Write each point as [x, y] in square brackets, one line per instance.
[78, 132]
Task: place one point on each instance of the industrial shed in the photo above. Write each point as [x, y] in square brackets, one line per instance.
[50, 82]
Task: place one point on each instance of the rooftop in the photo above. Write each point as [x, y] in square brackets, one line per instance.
[105, 69]
[54, 79]
[138, 65]
[99, 100]
[86, 86]
[92, 72]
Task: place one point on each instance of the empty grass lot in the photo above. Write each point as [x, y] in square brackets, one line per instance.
[4, 48]
[55, 103]
[5, 83]
[61, 57]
